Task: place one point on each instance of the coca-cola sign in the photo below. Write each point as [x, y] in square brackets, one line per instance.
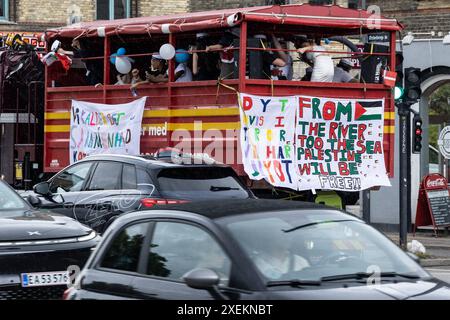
[435, 181]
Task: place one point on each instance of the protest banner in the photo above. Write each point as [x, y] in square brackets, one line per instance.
[267, 138]
[339, 144]
[105, 128]
[334, 144]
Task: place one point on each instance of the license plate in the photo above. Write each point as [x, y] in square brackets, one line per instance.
[38, 279]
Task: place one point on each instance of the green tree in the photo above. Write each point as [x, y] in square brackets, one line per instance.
[440, 101]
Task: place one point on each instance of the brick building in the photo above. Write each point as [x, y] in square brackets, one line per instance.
[32, 16]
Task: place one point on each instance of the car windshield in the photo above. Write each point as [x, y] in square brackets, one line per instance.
[200, 183]
[10, 200]
[313, 245]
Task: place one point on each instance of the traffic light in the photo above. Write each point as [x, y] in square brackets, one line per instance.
[398, 90]
[412, 85]
[417, 132]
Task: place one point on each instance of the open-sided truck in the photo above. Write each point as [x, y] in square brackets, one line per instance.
[202, 107]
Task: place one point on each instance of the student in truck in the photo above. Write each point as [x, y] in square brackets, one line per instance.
[270, 59]
[225, 44]
[313, 53]
[157, 72]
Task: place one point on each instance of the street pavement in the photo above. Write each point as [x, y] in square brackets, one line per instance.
[442, 273]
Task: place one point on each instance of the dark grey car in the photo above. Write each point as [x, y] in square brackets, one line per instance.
[98, 188]
[250, 249]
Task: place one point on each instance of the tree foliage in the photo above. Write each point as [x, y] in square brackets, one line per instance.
[440, 102]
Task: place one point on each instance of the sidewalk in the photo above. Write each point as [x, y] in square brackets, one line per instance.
[437, 249]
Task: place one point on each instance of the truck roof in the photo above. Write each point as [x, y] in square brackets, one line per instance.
[329, 16]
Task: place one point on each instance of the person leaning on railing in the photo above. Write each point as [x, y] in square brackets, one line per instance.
[322, 64]
[157, 72]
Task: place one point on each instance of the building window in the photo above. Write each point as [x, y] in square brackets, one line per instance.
[112, 9]
[320, 2]
[4, 9]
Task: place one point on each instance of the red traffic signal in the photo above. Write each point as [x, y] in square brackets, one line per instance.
[417, 140]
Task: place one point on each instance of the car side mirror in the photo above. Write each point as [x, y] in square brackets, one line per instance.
[33, 200]
[42, 188]
[205, 279]
[201, 279]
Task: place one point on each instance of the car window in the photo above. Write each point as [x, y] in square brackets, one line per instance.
[200, 183]
[10, 201]
[310, 245]
[71, 179]
[123, 253]
[178, 248]
[129, 177]
[145, 183]
[106, 176]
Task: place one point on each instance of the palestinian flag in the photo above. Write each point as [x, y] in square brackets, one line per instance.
[368, 110]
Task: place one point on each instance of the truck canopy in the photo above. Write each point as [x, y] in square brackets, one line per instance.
[331, 16]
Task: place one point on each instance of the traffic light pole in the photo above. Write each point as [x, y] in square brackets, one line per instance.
[405, 158]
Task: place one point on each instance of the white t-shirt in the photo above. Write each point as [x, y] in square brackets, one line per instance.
[323, 70]
[187, 75]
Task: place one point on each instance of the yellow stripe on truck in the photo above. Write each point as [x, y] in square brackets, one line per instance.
[190, 126]
[187, 126]
[207, 112]
[182, 113]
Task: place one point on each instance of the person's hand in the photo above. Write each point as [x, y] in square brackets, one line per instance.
[207, 49]
[134, 86]
[192, 48]
[301, 50]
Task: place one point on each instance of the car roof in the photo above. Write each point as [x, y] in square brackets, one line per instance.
[147, 160]
[230, 207]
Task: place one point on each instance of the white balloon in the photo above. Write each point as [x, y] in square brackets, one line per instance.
[167, 51]
[123, 65]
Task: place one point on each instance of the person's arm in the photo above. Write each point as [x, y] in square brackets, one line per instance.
[214, 47]
[62, 51]
[135, 85]
[278, 62]
[281, 54]
[194, 63]
[303, 50]
[158, 79]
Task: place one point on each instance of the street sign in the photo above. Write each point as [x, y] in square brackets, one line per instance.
[378, 37]
[433, 206]
[444, 142]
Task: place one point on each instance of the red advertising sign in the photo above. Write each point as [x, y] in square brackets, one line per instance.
[433, 206]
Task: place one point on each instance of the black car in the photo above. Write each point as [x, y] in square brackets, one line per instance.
[250, 249]
[100, 187]
[38, 249]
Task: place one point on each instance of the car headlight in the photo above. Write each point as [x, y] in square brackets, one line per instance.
[87, 237]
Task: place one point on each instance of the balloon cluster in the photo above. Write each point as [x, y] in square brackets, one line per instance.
[168, 52]
[123, 64]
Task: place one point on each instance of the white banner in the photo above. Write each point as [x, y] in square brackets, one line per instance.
[339, 144]
[105, 128]
[267, 138]
[305, 143]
